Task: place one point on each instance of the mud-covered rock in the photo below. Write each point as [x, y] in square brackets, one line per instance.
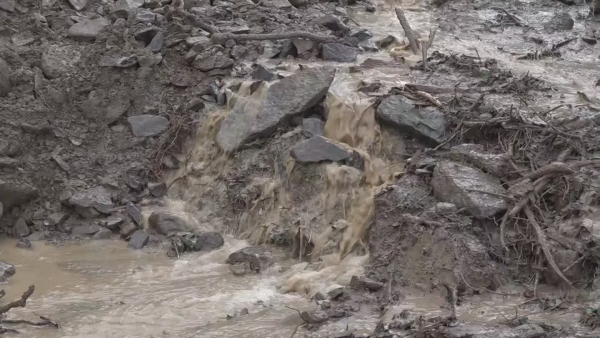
[135, 212]
[257, 258]
[146, 35]
[5, 84]
[87, 30]
[166, 223]
[6, 271]
[470, 188]
[14, 194]
[318, 149]
[210, 60]
[425, 123]
[118, 61]
[477, 331]
[304, 46]
[284, 100]
[92, 202]
[24, 243]
[157, 42]
[338, 52]
[138, 240]
[495, 164]
[113, 223]
[147, 125]
[444, 208]
[120, 10]
[560, 22]
[157, 189]
[86, 230]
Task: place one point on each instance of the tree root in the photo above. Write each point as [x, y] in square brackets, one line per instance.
[18, 303]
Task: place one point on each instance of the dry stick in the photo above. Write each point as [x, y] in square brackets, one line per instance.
[221, 38]
[198, 22]
[18, 303]
[413, 44]
[425, 48]
[542, 241]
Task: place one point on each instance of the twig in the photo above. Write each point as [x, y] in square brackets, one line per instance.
[295, 330]
[18, 303]
[542, 241]
[221, 38]
[552, 169]
[45, 322]
[413, 44]
[477, 103]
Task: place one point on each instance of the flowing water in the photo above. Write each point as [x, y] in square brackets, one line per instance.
[103, 289]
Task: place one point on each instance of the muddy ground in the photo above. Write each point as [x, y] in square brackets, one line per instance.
[471, 173]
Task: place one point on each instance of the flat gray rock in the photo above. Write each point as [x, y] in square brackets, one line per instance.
[86, 230]
[468, 188]
[7, 5]
[425, 123]
[317, 149]
[87, 30]
[103, 233]
[284, 100]
[313, 127]
[339, 52]
[97, 198]
[135, 212]
[257, 258]
[21, 229]
[147, 125]
[138, 240]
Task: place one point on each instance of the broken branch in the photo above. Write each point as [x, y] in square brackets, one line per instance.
[413, 44]
[18, 303]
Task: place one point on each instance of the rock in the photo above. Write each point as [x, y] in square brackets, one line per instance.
[560, 22]
[1, 210]
[240, 269]
[263, 74]
[333, 23]
[325, 305]
[147, 125]
[135, 178]
[78, 5]
[361, 34]
[7, 162]
[287, 49]
[319, 296]
[444, 208]
[336, 293]
[476, 331]
[103, 233]
[21, 229]
[195, 105]
[257, 258]
[284, 100]
[87, 30]
[468, 188]
[314, 316]
[88, 201]
[203, 41]
[371, 284]
[22, 38]
[145, 16]
[157, 189]
[182, 242]
[208, 63]
[387, 41]
[319, 148]
[5, 84]
[165, 223]
[24, 243]
[338, 52]
[6, 271]
[235, 29]
[146, 35]
[113, 223]
[118, 62]
[138, 240]
[85, 230]
[157, 42]
[7, 5]
[370, 8]
[298, 3]
[564, 259]
[304, 46]
[120, 10]
[14, 194]
[495, 164]
[135, 212]
[313, 127]
[127, 229]
[426, 123]
[58, 60]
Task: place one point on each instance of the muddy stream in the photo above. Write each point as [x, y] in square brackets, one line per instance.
[104, 289]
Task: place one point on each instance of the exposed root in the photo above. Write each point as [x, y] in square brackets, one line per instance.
[18, 303]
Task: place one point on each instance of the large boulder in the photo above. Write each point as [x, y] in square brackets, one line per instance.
[14, 194]
[470, 188]
[313, 126]
[87, 30]
[283, 101]
[6, 271]
[254, 257]
[166, 223]
[425, 123]
[319, 148]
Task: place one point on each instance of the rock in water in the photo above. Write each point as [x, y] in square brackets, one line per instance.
[338, 52]
[147, 125]
[256, 257]
[284, 100]
[136, 213]
[468, 188]
[78, 4]
[426, 123]
[165, 223]
[319, 148]
[14, 194]
[138, 240]
[207, 241]
[86, 230]
[6, 271]
[560, 22]
[87, 30]
[5, 84]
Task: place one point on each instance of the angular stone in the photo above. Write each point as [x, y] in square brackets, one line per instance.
[361, 34]
[5, 84]
[146, 35]
[97, 198]
[313, 127]
[78, 5]
[147, 125]
[261, 73]
[58, 60]
[157, 189]
[21, 229]
[195, 105]
[103, 233]
[371, 284]
[86, 230]
[22, 38]
[14, 194]
[165, 223]
[284, 100]
[564, 259]
[469, 188]
[560, 22]
[319, 148]
[118, 62]
[303, 46]
[338, 52]
[426, 123]
[194, 40]
[113, 223]
[444, 208]
[87, 30]
[138, 240]
[120, 10]
[314, 316]
[145, 16]
[24, 243]
[157, 42]
[496, 164]
[211, 62]
[243, 29]
[6, 271]
[128, 229]
[257, 258]
[135, 212]
[119, 105]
